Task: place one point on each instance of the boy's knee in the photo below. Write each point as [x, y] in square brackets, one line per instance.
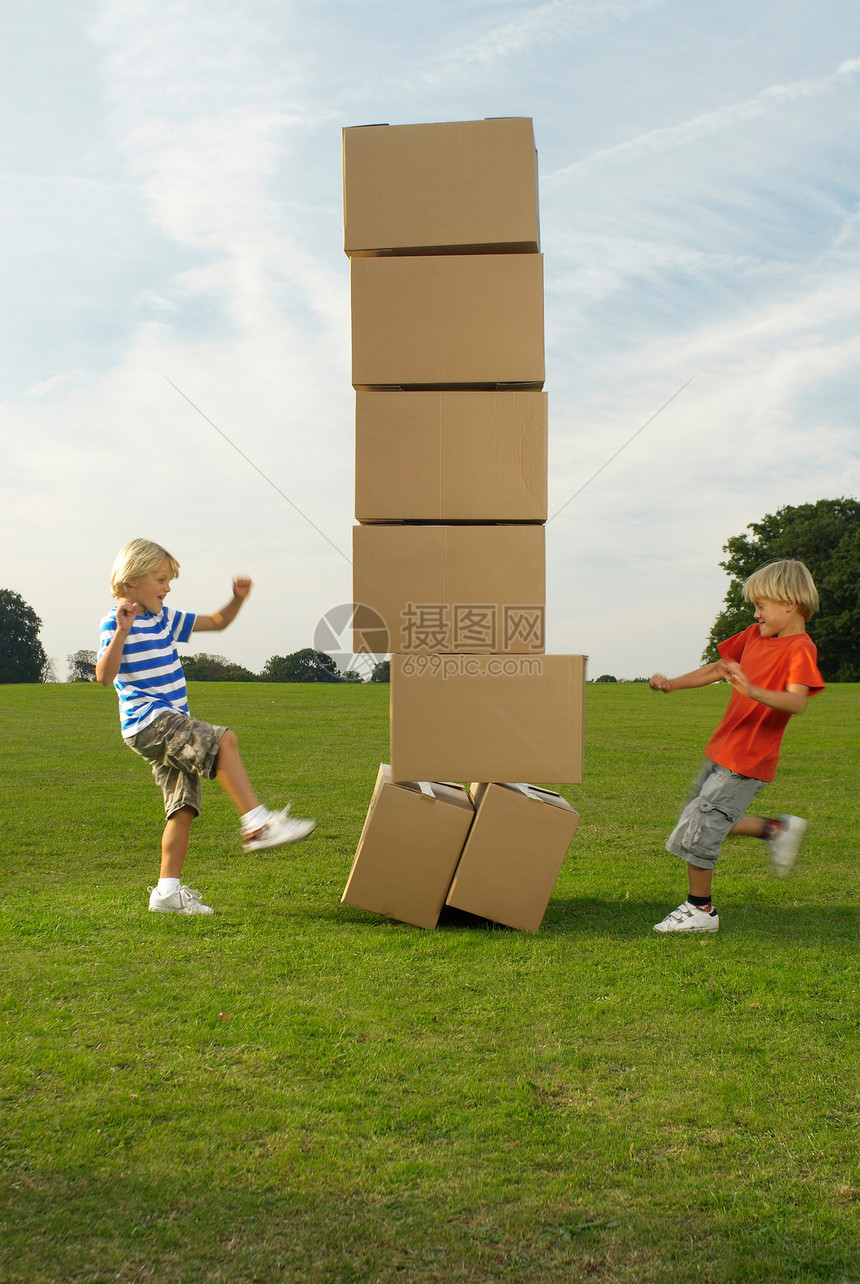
[227, 745]
[182, 815]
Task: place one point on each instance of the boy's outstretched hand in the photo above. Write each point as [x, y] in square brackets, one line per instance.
[733, 673]
[242, 586]
[659, 682]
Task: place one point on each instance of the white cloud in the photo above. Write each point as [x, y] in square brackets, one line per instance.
[785, 325]
[709, 123]
[202, 179]
[557, 20]
[50, 385]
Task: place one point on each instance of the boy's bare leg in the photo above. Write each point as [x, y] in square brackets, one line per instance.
[700, 880]
[232, 777]
[268, 829]
[751, 826]
[784, 837]
[174, 842]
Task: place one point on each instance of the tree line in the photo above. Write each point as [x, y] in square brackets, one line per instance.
[306, 665]
[824, 535]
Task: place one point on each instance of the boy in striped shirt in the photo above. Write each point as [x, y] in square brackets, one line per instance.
[137, 653]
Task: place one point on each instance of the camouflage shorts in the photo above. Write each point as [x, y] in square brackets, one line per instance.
[181, 750]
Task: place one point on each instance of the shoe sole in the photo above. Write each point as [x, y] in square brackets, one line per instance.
[684, 931]
[169, 909]
[282, 842]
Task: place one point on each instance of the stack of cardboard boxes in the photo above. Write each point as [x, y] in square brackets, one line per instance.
[441, 226]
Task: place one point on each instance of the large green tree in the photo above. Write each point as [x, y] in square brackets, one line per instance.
[22, 656]
[825, 536]
[306, 665]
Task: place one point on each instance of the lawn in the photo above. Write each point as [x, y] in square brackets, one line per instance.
[295, 1090]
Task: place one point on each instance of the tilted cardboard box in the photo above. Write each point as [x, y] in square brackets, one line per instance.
[515, 849]
[458, 185]
[451, 456]
[449, 589]
[487, 717]
[468, 320]
[409, 848]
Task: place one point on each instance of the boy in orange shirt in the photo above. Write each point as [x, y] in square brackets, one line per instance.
[773, 668]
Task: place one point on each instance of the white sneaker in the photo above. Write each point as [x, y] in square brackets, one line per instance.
[186, 901]
[689, 918]
[279, 829]
[785, 845]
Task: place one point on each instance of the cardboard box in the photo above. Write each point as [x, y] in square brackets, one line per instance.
[482, 717]
[409, 848]
[460, 185]
[468, 320]
[470, 589]
[515, 849]
[451, 456]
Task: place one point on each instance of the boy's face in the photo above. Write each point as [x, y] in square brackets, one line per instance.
[778, 619]
[150, 590]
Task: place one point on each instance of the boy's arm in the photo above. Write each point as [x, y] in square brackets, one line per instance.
[698, 678]
[791, 700]
[220, 619]
[107, 665]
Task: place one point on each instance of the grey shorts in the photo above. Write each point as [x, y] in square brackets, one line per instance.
[718, 800]
[180, 750]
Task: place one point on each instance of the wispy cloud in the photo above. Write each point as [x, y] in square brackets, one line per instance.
[202, 179]
[207, 129]
[710, 123]
[557, 20]
[593, 266]
[769, 382]
[51, 385]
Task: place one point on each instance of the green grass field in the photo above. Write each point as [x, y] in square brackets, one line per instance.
[295, 1090]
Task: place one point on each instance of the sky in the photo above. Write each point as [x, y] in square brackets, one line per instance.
[175, 345]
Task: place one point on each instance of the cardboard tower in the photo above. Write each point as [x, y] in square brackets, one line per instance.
[441, 227]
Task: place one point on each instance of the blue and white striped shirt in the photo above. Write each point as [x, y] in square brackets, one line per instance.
[150, 679]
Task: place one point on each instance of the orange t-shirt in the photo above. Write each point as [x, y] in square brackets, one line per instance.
[749, 734]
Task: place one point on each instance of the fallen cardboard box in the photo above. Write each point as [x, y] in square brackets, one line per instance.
[469, 320]
[487, 717]
[458, 185]
[467, 589]
[451, 456]
[515, 849]
[409, 848]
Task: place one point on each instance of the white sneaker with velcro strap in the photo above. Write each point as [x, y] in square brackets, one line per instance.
[689, 918]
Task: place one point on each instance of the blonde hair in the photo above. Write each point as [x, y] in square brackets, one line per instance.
[785, 581]
[137, 558]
